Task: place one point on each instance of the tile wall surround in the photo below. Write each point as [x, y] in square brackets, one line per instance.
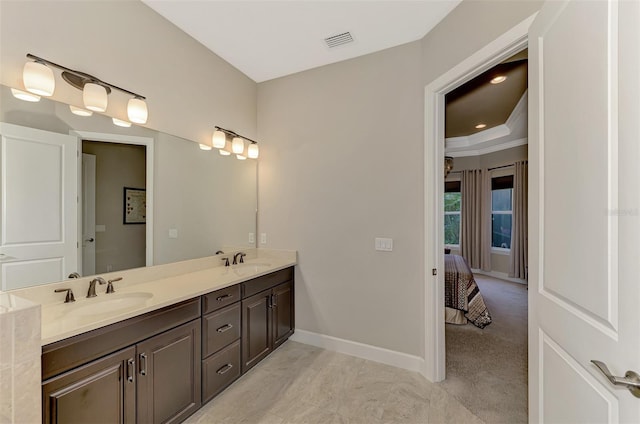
[19, 360]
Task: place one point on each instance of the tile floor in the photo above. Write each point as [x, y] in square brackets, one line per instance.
[302, 384]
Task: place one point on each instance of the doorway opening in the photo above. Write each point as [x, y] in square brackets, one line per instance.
[113, 176]
[485, 241]
[123, 168]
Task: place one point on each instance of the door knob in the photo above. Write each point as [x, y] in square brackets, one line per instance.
[631, 379]
[90, 240]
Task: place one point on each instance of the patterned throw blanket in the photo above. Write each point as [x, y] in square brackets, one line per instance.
[461, 291]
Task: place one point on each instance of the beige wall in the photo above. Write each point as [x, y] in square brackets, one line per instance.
[342, 163]
[117, 166]
[188, 89]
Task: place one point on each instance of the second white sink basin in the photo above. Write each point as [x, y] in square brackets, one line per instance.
[250, 268]
[109, 304]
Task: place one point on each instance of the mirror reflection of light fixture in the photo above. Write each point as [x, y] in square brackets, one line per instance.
[23, 95]
[121, 123]
[219, 141]
[79, 111]
[448, 165]
[205, 147]
[38, 78]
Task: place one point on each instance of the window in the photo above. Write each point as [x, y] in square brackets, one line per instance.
[501, 211]
[452, 202]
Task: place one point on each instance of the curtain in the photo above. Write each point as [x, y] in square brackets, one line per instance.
[518, 261]
[475, 226]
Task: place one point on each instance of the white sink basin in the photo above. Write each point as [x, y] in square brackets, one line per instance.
[250, 268]
[107, 304]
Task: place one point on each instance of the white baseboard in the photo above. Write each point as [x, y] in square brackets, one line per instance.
[360, 350]
[501, 275]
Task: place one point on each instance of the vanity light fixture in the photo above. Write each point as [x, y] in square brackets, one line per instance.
[121, 123]
[79, 111]
[23, 95]
[219, 141]
[237, 145]
[38, 78]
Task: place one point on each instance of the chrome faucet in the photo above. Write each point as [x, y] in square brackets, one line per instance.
[235, 258]
[74, 275]
[92, 286]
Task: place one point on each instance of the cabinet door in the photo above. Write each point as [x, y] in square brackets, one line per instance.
[169, 375]
[282, 312]
[102, 391]
[256, 329]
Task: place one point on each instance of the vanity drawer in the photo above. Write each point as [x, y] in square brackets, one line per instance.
[220, 298]
[256, 285]
[220, 328]
[220, 370]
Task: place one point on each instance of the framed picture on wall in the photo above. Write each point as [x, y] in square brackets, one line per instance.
[135, 206]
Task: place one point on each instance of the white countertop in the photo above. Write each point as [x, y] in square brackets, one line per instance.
[164, 285]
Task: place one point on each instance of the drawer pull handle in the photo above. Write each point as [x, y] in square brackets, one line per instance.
[224, 297]
[224, 328]
[224, 369]
[131, 364]
[143, 364]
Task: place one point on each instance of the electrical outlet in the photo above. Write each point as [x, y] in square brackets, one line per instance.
[252, 238]
[173, 233]
[263, 238]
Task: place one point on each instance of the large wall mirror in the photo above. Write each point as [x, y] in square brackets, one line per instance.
[80, 194]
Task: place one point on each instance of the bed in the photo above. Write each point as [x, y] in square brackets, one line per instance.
[462, 299]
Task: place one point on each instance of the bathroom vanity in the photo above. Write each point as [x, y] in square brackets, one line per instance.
[190, 337]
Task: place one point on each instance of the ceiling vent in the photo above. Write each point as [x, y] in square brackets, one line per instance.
[338, 39]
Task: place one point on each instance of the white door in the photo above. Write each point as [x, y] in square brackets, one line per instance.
[38, 194]
[88, 214]
[584, 153]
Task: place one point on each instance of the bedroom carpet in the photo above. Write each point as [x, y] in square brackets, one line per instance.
[487, 369]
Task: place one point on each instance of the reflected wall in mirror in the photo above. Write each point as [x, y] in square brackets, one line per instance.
[198, 202]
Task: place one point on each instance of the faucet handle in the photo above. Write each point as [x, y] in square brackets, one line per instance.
[226, 261]
[110, 285]
[242, 255]
[69, 298]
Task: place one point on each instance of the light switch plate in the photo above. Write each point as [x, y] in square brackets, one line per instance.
[173, 233]
[263, 238]
[384, 244]
[101, 228]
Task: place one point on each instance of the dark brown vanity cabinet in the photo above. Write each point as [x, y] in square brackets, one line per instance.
[267, 316]
[156, 380]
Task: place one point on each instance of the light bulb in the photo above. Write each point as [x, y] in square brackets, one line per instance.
[38, 78]
[481, 126]
[498, 79]
[94, 97]
[241, 157]
[121, 123]
[224, 152]
[79, 111]
[237, 146]
[253, 151]
[219, 139]
[205, 147]
[23, 95]
[137, 111]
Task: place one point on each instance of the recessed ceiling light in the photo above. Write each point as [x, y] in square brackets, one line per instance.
[498, 79]
[481, 126]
